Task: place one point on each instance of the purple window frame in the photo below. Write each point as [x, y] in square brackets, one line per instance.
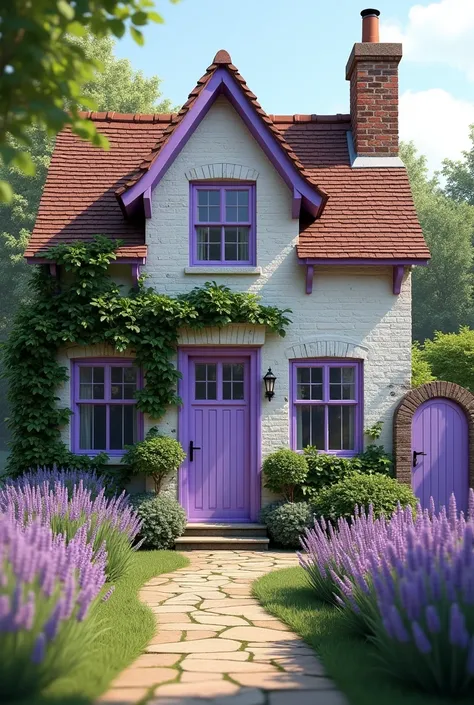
[358, 402]
[194, 223]
[108, 363]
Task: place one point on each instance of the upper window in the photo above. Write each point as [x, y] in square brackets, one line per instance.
[327, 406]
[105, 404]
[223, 225]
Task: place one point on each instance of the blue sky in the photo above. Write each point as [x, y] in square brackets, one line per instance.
[293, 54]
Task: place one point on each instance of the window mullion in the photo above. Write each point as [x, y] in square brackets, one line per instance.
[326, 427]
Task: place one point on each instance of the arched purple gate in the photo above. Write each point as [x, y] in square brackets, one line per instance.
[440, 452]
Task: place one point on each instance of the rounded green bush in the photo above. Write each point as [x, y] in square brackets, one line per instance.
[284, 470]
[157, 457]
[382, 492]
[286, 522]
[164, 519]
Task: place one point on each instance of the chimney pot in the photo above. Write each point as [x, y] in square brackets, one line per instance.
[370, 25]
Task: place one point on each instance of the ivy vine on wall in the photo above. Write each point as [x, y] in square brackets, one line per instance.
[89, 308]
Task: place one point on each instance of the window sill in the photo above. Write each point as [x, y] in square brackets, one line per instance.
[213, 269]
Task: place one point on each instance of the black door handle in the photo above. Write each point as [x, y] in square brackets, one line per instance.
[192, 448]
[416, 453]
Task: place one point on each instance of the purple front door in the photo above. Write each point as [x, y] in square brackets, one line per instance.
[440, 453]
[218, 439]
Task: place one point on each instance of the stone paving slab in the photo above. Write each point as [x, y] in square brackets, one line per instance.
[215, 644]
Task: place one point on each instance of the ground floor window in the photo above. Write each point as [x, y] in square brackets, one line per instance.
[105, 406]
[326, 405]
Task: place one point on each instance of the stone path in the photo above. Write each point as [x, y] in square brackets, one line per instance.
[215, 644]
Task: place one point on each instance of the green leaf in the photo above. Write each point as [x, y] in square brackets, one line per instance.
[76, 29]
[24, 162]
[137, 36]
[139, 18]
[6, 192]
[155, 17]
[65, 9]
[118, 27]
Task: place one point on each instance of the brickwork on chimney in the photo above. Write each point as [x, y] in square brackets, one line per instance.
[373, 73]
[403, 418]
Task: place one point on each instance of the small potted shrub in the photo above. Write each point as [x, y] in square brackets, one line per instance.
[156, 457]
[285, 471]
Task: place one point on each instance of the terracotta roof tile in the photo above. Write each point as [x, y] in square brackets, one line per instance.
[221, 60]
[369, 214]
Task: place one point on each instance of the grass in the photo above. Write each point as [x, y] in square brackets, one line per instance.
[128, 626]
[350, 662]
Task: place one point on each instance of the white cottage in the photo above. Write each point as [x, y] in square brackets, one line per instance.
[312, 212]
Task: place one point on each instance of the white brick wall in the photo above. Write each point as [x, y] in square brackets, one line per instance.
[348, 304]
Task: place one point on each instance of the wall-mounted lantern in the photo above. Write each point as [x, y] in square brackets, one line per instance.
[269, 380]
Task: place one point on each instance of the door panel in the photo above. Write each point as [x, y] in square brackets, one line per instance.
[440, 432]
[218, 425]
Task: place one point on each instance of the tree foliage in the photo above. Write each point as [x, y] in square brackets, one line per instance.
[117, 87]
[442, 292]
[43, 69]
[459, 174]
[421, 371]
[90, 309]
[450, 356]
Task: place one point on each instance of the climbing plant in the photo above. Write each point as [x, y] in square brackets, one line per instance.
[86, 307]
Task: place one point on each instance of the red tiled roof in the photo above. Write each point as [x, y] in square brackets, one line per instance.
[221, 60]
[369, 213]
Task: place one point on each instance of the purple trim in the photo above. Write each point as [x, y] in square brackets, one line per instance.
[358, 402]
[309, 278]
[223, 82]
[361, 260]
[193, 222]
[147, 203]
[398, 272]
[254, 355]
[117, 260]
[135, 274]
[76, 363]
[296, 204]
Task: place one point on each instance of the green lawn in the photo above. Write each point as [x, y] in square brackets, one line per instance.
[128, 625]
[350, 662]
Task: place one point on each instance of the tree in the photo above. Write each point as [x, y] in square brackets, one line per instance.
[420, 369]
[118, 88]
[460, 175]
[442, 292]
[43, 70]
[451, 357]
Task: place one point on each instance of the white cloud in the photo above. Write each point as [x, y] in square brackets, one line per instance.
[437, 123]
[441, 32]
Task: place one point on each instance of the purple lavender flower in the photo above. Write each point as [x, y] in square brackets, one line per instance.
[108, 594]
[432, 619]
[39, 649]
[458, 635]
[421, 640]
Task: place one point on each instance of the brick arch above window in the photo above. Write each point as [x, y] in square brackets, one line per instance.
[403, 419]
[222, 171]
[328, 347]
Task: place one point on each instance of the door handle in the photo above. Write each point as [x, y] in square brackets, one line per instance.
[416, 453]
[192, 448]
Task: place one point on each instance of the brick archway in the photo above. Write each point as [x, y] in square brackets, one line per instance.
[403, 417]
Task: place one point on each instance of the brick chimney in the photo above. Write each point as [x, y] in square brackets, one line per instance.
[372, 70]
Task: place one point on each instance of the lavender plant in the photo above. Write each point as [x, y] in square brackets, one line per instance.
[49, 592]
[90, 480]
[109, 521]
[408, 583]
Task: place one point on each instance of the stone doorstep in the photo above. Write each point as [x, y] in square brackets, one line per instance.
[249, 543]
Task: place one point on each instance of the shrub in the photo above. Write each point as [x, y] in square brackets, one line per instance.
[48, 597]
[323, 470]
[286, 522]
[284, 471]
[373, 460]
[450, 356]
[163, 519]
[110, 521]
[382, 492]
[420, 367]
[157, 457]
